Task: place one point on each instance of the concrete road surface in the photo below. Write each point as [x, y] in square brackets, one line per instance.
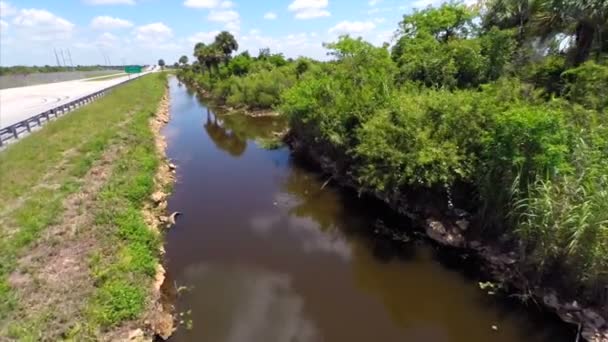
[17, 104]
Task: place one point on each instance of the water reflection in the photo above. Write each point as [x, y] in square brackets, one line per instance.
[225, 139]
[236, 304]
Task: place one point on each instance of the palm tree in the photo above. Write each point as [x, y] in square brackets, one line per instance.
[226, 42]
[208, 55]
[584, 19]
[506, 14]
[199, 53]
[183, 60]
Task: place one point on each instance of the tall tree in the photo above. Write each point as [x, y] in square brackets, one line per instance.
[161, 63]
[444, 22]
[209, 56]
[199, 53]
[585, 19]
[506, 14]
[183, 60]
[226, 43]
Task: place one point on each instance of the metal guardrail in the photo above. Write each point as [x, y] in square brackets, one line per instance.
[15, 131]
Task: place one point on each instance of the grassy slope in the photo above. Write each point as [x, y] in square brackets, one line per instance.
[41, 171]
[105, 78]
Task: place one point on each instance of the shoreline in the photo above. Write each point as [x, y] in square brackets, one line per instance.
[254, 113]
[159, 319]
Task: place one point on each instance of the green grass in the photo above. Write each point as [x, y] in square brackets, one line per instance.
[40, 171]
[105, 78]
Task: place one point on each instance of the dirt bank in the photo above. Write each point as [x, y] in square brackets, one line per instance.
[158, 320]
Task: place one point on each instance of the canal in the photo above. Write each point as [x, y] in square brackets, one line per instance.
[265, 252]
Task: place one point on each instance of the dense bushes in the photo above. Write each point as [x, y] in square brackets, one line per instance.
[259, 90]
[539, 167]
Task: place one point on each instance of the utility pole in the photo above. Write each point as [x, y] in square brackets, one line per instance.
[56, 57]
[62, 57]
[70, 57]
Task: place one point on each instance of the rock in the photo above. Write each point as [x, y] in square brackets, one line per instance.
[474, 244]
[568, 317]
[460, 212]
[164, 326]
[551, 301]
[158, 197]
[572, 306]
[495, 327]
[463, 224]
[173, 216]
[438, 232]
[136, 335]
[171, 166]
[593, 318]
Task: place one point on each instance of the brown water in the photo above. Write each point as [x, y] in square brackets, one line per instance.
[266, 255]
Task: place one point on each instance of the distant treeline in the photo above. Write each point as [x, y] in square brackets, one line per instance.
[24, 70]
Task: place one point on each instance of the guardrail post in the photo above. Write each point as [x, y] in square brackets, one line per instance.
[1, 141]
[46, 115]
[15, 133]
[38, 120]
[27, 125]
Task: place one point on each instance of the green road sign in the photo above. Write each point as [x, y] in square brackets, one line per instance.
[133, 69]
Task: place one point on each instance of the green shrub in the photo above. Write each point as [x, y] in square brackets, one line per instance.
[260, 90]
[587, 85]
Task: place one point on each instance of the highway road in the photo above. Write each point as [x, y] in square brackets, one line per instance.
[17, 104]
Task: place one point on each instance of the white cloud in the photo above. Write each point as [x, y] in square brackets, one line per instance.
[309, 9]
[3, 25]
[106, 40]
[202, 3]
[223, 16]
[374, 2]
[109, 23]
[110, 2]
[230, 18]
[154, 33]
[292, 45]
[352, 27]
[40, 25]
[226, 4]
[209, 4]
[205, 37]
[6, 9]
[420, 4]
[270, 16]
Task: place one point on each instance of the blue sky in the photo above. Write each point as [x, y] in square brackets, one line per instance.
[142, 31]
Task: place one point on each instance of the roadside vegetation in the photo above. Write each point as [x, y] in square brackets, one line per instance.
[24, 70]
[105, 78]
[504, 105]
[76, 257]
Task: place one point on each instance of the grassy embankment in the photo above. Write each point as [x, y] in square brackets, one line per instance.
[105, 78]
[76, 257]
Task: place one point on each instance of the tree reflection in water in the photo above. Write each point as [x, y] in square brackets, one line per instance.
[225, 139]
